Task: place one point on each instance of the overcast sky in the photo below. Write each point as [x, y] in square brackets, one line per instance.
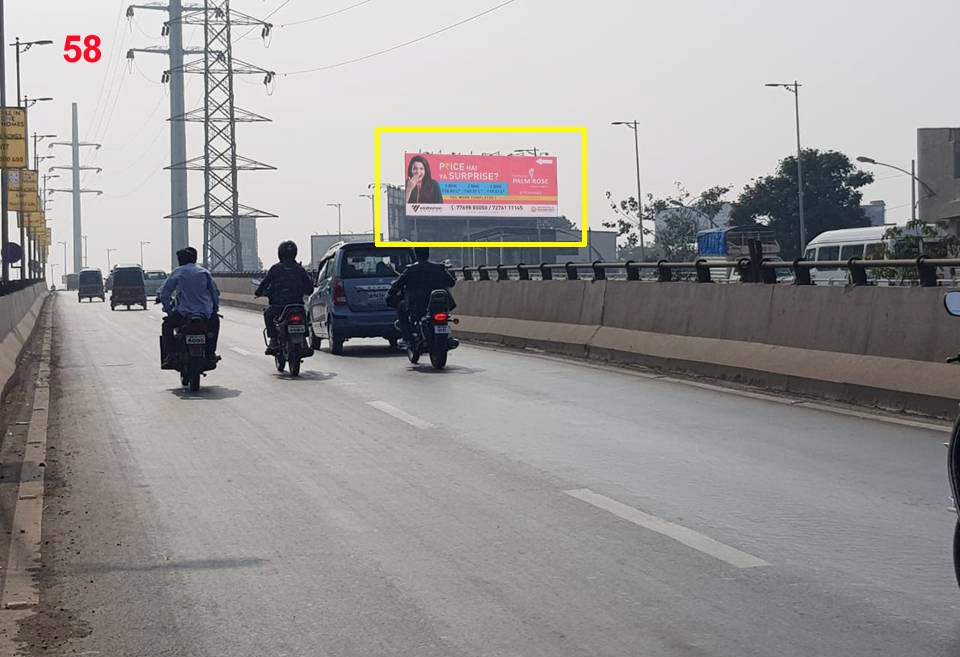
[691, 71]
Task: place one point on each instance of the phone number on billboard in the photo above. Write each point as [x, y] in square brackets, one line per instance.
[487, 207]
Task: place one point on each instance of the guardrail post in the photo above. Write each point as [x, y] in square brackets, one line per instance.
[599, 273]
[502, 273]
[467, 273]
[522, 272]
[926, 273]
[858, 273]
[545, 272]
[767, 274]
[664, 273]
[703, 272]
[484, 274]
[745, 270]
[801, 275]
[572, 274]
[633, 272]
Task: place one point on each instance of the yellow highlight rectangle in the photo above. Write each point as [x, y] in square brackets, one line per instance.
[487, 245]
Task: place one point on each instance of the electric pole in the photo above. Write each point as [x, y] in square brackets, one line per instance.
[76, 168]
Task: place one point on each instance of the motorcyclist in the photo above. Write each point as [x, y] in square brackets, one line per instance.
[285, 284]
[410, 292]
[190, 290]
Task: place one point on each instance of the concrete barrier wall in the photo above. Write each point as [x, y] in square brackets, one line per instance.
[18, 317]
[882, 346]
[238, 291]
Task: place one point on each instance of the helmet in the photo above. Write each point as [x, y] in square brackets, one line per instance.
[422, 253]
[186, 255]
[287, 250]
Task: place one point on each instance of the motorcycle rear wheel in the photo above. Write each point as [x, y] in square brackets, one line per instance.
[438, 357]
[195, 382]
[293, 360]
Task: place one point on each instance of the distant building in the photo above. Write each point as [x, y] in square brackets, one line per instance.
[938, 165]
[248, 247]
[876, 212]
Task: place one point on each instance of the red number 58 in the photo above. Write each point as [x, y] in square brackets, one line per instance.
[73, 53]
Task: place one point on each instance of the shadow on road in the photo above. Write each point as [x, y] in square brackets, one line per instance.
[308, 375]
[368, 351]
[449, 369]
[206, 392]
[189, 564]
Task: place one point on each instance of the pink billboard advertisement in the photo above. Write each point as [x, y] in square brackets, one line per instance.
[443, 185]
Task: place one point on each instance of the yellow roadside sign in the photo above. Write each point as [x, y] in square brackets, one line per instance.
[13, 138]
[23, 180]
[23, 201]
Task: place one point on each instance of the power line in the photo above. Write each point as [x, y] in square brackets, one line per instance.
[332, 13]
[402, 45]
[247, 33]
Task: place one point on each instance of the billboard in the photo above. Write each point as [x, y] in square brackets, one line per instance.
[449, 185]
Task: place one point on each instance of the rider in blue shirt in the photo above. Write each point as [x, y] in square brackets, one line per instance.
[190, 290]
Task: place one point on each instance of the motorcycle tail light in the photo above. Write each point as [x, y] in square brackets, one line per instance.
[339, 293]
[296, 318]
[440, 317]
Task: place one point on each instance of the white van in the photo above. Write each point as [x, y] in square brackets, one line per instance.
[867, 243]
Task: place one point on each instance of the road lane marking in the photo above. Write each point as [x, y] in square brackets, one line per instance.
[242, 352]
[400, 415]
[19, 589]
[679, 533]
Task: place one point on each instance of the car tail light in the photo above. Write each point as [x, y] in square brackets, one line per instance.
[440, 317]
[296, 318]
[339, 293]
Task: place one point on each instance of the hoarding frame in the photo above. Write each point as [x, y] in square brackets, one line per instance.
[378, 204]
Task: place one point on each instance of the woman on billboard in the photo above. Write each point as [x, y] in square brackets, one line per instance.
[421, 187]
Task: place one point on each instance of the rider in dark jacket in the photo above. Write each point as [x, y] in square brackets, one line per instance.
[285, 284]
[410, 292]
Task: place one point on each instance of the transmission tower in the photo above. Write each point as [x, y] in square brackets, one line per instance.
[222, 213]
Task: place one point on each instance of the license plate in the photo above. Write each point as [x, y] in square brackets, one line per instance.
[376, 297]
[441, 328]
[296, 328]
[196, 339]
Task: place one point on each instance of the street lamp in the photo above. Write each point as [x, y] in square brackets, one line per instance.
[109, 251]
[339, 228]
[373, 213]
[634, 125]
[141, 252]
[64, 255]
[913, 181]
[30, 102]
[794, 88]
[24, 46]
[85, 261]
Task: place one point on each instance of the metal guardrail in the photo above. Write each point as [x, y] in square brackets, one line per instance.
[746, 269]
[15, 286]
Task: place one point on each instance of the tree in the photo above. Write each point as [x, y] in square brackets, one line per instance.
[831, 198]
[676, 239]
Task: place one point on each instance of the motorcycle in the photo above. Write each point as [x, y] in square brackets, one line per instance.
[192, 357]
[292, 344]
[952, 303]
[431, 333]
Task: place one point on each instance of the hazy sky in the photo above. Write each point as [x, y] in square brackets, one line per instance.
[691, 71]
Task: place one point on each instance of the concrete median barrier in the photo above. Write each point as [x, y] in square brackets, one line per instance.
[868, 345]
[18, 318]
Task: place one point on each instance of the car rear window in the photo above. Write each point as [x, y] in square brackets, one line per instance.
[371, 262]
[128, 277]
[88, 277]
[155, 276]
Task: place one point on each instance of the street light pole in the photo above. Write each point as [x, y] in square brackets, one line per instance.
[794, 88]
[634, 125]
[109, 251]
[141, 252]
[4, 220]
[339, 227]
[914, 181]
[61, 242]
[373, 214]
[85, 261]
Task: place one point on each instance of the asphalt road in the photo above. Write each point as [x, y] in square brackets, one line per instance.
[521, 506]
